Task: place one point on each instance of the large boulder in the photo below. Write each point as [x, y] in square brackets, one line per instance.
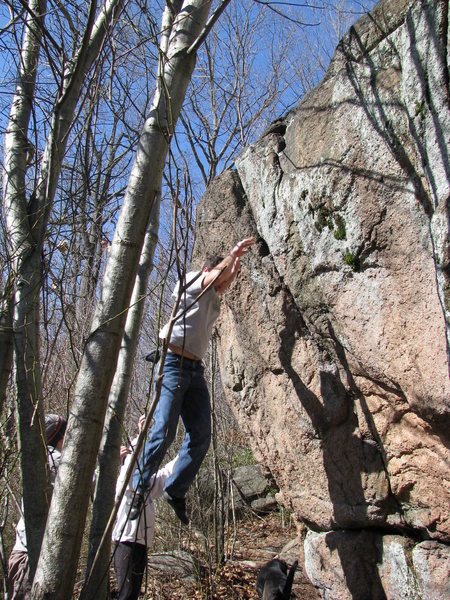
[334, 341]
[348, 565]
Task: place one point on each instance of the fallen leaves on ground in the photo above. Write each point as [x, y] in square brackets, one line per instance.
[257, 541]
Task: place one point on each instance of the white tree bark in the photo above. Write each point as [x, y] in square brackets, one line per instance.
[26, 224]
[55, 573]
[108, 458]
[25, 276]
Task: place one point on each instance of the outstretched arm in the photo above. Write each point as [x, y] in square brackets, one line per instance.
[228, 268]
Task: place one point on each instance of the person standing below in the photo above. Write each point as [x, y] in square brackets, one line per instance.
[184, 391]
[132, 538]
[19, 585]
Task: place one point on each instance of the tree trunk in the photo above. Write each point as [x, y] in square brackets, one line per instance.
[56, 570]
[26, 228]
[25, 276]
[6, 342]
[108, 458]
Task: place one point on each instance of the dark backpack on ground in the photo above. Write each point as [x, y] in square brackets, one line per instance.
[274, 582]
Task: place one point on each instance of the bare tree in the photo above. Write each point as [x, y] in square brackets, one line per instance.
[108, 458]
[241, 82]
[22, 223]
[6, 340]
[26, 225]
[55, 572]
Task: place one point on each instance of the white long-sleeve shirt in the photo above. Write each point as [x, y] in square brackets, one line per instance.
[142, 529]
[192, 331]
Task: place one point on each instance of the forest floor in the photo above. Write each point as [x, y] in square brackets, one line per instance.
[258, 540]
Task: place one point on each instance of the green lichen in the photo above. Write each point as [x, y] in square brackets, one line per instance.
[420, 109]
[352, 260]
[447, 296]
[325, 217]
[340, 232]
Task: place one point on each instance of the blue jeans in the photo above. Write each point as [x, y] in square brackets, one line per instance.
[184, 394]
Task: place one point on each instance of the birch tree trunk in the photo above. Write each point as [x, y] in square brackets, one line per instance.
[26, 224]
[25, 276]
[108, 458]
[56, 569]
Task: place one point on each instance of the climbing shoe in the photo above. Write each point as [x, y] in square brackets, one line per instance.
[179, 507]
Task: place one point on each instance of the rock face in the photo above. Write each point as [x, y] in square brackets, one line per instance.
[393, 567]
[334, 342]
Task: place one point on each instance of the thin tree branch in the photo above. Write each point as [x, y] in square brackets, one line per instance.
[209, 25]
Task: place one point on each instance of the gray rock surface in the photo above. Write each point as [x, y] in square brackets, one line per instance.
[368, 565]
[250, 481]
[181, 565]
